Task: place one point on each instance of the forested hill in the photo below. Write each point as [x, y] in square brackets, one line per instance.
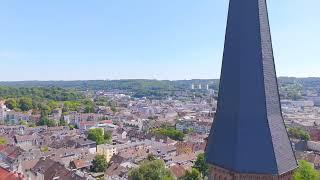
[290, 87]
[128, 85]
[133, 84]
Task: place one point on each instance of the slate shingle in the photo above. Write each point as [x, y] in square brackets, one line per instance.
[248, 135]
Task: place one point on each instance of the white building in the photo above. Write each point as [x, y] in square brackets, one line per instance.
[2, 113]
[14, 117]
[76, 118]
[198, 127]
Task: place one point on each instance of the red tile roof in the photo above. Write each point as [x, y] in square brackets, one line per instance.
[10, 151]
[7, 175]
[81, 164]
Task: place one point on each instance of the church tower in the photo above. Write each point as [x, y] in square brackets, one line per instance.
[248, 139]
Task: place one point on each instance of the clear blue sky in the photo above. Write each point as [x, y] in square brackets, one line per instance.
[154, 39]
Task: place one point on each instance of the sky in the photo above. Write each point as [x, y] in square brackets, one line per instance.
[142, 39]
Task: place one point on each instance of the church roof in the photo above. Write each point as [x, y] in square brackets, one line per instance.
[248, 134]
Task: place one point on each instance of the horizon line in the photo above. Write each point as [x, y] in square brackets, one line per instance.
[139, 79]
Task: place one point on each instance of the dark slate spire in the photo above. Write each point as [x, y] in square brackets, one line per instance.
[248, 135]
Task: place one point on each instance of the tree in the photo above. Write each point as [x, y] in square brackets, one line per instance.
[44, 120]
[201, 165]
[305, 172]
[151, 157]
[62, 122]
[44, 149]
[151, 170]
[71, 106]
[113, 109]
[3, 141]
[108, 137]
[25, 104]
[96, 135]
[298, 134]
[72, 127]
[11, 104]
[89, 109]
[45, 108]
[53, 104]
[31, 125]
[194, 174]
[99, 164]
[22, 122]
[171, 133]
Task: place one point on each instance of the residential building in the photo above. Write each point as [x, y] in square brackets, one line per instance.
[7, 175]
[80, 164]
[49, 169]
[10, 157]
[194, 126]
[14, 117]
[26, 142]
[76, 118]
[111, 150]
[2, 113]
[87, 143]
[85, 125]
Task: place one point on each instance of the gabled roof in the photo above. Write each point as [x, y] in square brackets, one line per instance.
[81, 163]
[7, 175]
[248, 135]
[10, 151]
[178, 171]
[52, 169]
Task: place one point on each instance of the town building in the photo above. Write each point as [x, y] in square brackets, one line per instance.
[10, 157]
[48, 169]
[2, 113]
[13, 117]
[194, 126]
[86, 143]
[110, 150]
[26, 142]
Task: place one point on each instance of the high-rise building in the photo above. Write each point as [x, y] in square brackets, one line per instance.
[248, 139]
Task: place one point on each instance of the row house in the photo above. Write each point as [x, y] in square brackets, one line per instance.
[50, 169]
[195, 126]
[76, 118]
[12, 129]
[27, 142]
[14, 117]
[190, 147]
[85, 125]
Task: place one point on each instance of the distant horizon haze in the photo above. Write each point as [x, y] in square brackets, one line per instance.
[140, 79]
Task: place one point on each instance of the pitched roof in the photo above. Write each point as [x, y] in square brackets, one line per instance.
[177, 171]
[26, 138]
[10, 151]
[248, 135]
[115, 169]
[51, 169]
[7, 175]
[81, 163]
